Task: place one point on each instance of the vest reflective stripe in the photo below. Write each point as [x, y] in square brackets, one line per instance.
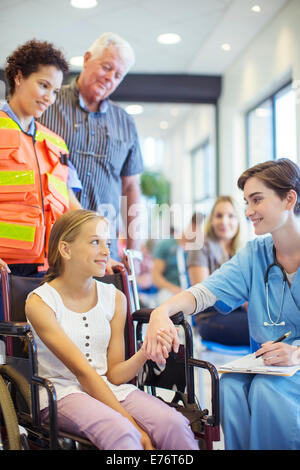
[7, 123]
[59, 185]
[17, 232]
[40, 136]
[16, 178]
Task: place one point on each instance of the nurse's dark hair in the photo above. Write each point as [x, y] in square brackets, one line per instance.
[28, 57]
[66, 228]
[281, 175]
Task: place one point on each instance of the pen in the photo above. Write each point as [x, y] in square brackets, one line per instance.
[276, 341]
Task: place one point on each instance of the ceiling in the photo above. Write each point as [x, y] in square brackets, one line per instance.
[204, 25]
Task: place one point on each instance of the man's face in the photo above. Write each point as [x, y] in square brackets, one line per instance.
[101, 75]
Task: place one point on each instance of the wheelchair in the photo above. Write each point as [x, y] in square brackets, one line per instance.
[20, 382]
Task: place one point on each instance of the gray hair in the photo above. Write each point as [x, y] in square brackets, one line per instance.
[111, 39]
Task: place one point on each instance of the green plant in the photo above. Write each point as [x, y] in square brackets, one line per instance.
[155, 184]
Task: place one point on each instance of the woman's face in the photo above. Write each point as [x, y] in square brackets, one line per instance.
[35, 93]
[265, 209]
[224, 221]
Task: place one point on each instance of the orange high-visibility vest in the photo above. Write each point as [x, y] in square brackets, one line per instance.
[33, 190]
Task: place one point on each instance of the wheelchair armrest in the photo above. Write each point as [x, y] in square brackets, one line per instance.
[14, 328]
[143, 316]
[213, 420]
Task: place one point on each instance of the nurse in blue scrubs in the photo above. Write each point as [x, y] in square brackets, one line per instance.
[257, 411]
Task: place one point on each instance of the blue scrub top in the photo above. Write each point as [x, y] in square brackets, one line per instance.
[241, 279]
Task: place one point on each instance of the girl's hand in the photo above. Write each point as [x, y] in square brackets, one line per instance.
[152, 348]
[279, 354]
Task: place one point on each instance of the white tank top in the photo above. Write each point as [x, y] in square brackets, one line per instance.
[90, 331]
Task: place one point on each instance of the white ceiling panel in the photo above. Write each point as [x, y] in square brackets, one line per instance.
[202, 24]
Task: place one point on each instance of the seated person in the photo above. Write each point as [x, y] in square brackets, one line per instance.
[78, 324]
[221, 243]
[258, 411]
[169, 269]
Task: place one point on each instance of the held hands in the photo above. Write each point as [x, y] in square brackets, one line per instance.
[161, 337]
[279, 354]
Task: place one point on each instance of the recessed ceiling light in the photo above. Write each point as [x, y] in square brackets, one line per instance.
[77, 61]
[163, 125]
[256, 8]
[84, 3]
[169, 38]
[134, 109]
[174, 112]
[226, 47]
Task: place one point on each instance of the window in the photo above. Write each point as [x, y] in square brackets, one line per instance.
[271, 128]
[203, 176]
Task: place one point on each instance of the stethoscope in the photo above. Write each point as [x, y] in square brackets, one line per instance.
[284, 281]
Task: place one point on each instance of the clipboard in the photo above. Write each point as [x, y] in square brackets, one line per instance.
[251, 365]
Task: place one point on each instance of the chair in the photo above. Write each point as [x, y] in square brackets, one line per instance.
[21, 374]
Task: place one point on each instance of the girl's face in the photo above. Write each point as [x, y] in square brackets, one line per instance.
[224, 221]
[89, 253]
[265, 209]
[35, 93]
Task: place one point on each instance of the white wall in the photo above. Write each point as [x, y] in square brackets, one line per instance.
[267, 63]
[179, 142]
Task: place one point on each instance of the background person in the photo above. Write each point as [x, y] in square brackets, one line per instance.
[35, 177]
[222, 240]
[79, 330]
[101, 136]
[169, 270]
[257, 411]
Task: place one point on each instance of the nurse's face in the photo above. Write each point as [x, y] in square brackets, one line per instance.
[265, 209]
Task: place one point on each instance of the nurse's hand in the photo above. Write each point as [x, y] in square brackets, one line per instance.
[153, 346]
[279, 354]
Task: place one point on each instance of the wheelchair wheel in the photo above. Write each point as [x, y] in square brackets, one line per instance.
[9, 429]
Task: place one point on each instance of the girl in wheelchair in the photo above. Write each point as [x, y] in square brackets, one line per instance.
[78, 323]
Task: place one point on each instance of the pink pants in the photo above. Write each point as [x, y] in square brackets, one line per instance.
[107, 429]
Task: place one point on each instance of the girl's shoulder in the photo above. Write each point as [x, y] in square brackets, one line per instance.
[48, 295]
[107, 297]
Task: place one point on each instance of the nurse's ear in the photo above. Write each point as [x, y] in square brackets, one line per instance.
[291, 199]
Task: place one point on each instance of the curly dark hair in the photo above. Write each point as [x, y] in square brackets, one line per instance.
[28, 57]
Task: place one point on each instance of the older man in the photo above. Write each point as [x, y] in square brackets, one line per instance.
[100, 135]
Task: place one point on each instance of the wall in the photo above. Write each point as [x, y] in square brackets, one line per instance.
[267, 63]
[179, 142]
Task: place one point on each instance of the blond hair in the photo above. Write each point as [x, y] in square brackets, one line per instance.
[209, 231]
[66, 229]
